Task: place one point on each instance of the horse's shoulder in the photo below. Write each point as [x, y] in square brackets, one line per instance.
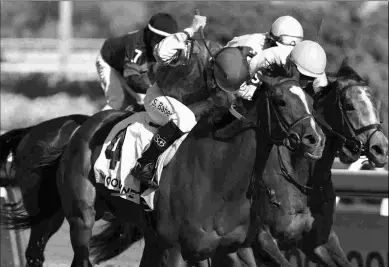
[99, 125]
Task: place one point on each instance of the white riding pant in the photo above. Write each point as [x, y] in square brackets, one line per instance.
[162, 109]
[113, 85]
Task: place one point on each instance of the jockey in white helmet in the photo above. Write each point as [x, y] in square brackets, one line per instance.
[286, 35]
[310, 60]
[275, 46]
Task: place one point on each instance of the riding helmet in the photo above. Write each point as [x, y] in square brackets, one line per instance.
[163, 24]
[230, 68]
[286, 30]
[310, 58]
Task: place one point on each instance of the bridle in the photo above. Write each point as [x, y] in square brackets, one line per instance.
[292, 140]
[352, 142]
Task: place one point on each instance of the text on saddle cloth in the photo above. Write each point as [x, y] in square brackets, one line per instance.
[123, 146]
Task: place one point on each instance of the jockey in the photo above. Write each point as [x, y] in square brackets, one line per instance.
[285, 33]
[308, 61]
[125, 64]
[182, 67]
[275, 47]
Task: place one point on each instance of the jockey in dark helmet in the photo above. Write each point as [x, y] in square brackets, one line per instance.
[185, 66]
[126, 65]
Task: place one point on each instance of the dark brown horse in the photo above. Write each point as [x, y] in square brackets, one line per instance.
[36, 151]
[305, 217]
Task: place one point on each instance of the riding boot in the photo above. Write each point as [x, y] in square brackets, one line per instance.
[145, 166]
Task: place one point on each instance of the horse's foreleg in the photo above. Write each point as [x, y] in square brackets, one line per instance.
[155, 255]
[243, 257]
[152, 252]
[268, 246]
[39, 236]
[329, 254]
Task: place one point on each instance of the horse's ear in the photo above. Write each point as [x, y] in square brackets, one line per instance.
[345, 63]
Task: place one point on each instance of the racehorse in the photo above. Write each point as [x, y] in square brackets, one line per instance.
[36, 151]
[306, 195]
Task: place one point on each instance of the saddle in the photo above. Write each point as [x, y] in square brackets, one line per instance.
[125, 143]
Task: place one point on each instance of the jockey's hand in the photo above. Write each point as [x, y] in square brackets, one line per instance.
[246, 91]
[198, 21]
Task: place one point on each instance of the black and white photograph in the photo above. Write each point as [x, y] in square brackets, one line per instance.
[194, 134]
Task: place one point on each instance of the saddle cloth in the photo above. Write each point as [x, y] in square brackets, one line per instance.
[125, 143]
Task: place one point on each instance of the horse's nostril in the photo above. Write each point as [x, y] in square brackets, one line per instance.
[376, 149]
[310, 138]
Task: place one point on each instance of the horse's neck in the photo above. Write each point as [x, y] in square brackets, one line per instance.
[296, 165]
[237, 144]
[327, 107]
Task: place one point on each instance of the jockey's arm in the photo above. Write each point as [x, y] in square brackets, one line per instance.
[172, 49]
[270, 55]
[255, 41]
[133, 77]
[260, 61]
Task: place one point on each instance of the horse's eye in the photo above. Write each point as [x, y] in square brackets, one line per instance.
[349, 107]
[280, 102]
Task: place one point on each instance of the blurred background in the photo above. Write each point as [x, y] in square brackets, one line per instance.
[48, 52]
[48, 48]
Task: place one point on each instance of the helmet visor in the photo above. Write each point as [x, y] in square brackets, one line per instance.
[285, 39]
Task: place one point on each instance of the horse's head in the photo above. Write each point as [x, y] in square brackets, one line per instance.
[356, 118]
[291, 108]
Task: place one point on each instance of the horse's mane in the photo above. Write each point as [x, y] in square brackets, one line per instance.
[347, 72]
[345, 76]
[273, 69]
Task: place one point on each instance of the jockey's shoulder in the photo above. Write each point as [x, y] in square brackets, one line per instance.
[256, 41]
[130, 37]
[279, 52]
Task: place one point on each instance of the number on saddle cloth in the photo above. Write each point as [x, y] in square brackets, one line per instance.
[114, 155]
